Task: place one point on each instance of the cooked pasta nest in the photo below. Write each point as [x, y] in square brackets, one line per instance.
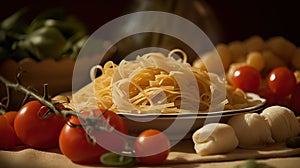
[156, 83]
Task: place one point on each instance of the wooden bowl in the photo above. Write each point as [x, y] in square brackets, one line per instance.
[57, 74]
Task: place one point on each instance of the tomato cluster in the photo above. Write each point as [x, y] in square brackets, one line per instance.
[32, 126]
[280, 87]
[35, 126]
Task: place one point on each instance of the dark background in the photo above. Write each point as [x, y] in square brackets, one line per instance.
[238, 19]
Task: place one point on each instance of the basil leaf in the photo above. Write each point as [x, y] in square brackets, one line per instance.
[114, 159]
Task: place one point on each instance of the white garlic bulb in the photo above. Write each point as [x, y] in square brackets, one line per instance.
[214, 138]
[282, 121]
[251, 129]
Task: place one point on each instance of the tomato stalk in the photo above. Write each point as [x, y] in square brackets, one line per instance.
[45, 92]
[88, 137]
[2, 108]
[19, 87]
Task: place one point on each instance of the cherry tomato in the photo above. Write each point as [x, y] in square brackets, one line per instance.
[8, 137]
[10, 117]
[152, 147]
[295, 100]
[34, 130]
[246, 78]
[110, 139]
[282, 81]
[114, 119]
[74, 143]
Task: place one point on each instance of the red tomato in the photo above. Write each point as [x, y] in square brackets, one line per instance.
[73, 141]
[295, 100]
[73, 144]
[152, 147]
[246, 78]
[282, 81]
[110, 140]
[35, 131]
[8, 137]
[114, 119]
[10, 117]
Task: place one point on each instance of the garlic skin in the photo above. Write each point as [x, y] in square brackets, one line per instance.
[214, 138]
[282, 121]
[251, 129]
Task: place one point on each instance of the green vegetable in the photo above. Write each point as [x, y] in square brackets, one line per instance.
[253, 164]
[51, 34]
[293, 142]
[46, 42]
[68, 28]
[113, 159]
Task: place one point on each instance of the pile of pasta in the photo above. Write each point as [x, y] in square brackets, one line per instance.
[158, 83]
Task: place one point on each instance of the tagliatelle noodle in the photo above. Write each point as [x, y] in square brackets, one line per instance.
[84, 99]
[102, 84]
[149, 84]
[237, 99]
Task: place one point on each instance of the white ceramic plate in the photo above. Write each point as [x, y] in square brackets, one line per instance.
[182, 126]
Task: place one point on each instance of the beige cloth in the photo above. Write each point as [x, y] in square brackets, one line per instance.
[182, 155]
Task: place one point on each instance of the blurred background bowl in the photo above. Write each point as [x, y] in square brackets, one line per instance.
[57, 74]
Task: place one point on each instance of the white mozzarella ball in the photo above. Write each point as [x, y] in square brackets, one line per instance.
[251, 129]
[282, 121]
[214, 138]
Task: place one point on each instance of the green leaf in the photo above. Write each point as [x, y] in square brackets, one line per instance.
[114, 159]
[47, 42]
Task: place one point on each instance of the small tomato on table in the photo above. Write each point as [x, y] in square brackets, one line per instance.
[152, 147]
[37, 127]
[86, 147]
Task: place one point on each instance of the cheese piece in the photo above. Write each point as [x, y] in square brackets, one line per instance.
[251, 129]
[214, 138]
[282, 121]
